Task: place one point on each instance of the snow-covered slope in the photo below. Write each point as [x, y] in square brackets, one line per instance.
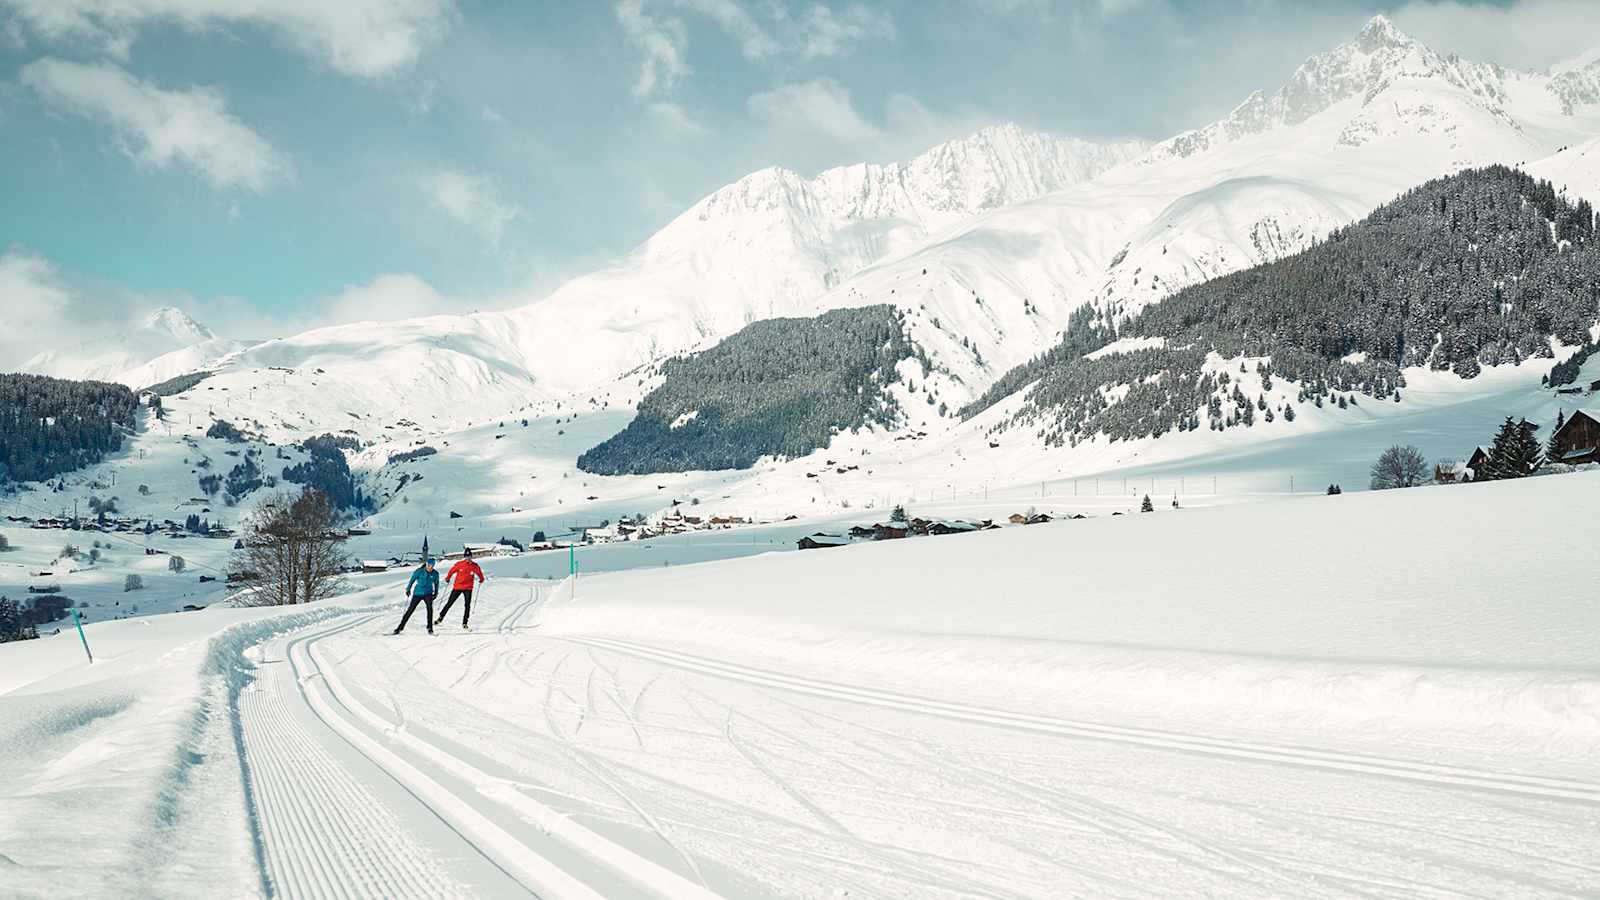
[1348, 700]
[1574, 170]
[1350, 130]
[770, 243]
[166, 343]
[765, 246]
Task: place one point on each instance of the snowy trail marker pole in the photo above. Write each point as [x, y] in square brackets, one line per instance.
[78, 621]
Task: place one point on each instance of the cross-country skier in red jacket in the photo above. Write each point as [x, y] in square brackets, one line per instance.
[460, 577]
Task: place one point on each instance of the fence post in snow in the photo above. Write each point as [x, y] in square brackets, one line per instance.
[78, 621]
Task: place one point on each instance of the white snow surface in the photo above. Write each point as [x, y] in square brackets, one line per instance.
[1334, 699]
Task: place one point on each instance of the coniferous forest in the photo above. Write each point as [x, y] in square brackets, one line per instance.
[780, 387]
[1480, 268]
[50, 425]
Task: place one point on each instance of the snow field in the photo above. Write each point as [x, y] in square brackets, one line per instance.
[1135, 706]
[1318, 614]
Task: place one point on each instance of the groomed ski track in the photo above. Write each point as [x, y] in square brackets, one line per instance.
[505, 762]
[347, 803]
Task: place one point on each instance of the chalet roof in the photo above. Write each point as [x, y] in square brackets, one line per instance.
[1592, 413]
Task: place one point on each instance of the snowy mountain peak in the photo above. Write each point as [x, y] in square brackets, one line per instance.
[996, 166]
[174, 322]
[1379, 58]
[1379, 32]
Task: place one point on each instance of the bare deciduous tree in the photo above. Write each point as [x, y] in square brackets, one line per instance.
[291, 551]
[1399, 467]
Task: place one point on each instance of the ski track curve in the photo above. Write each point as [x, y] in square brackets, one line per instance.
[300, 822]
[1561, 789]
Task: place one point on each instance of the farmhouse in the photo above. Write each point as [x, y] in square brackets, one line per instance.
[820, 540]
[1578, 439]
[1478, 459]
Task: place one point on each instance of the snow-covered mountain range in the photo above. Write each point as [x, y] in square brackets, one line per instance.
[165, 343]
[987, 244]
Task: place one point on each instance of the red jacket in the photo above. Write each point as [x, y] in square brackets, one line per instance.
[462, 573]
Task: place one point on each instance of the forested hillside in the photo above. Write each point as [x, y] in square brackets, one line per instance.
[1477, 269]
[778, 387]
[49, 425]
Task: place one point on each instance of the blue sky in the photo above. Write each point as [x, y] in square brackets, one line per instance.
[273, 164]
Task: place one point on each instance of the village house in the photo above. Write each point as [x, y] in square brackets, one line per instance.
[1578, 439]
[955, 527]
[882, 532]
[1476, 462]
[820, 540]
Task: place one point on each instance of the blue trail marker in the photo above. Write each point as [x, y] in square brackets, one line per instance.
[78, 621]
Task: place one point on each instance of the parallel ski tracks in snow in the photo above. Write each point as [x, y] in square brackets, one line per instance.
[324, 834]
[1560, 789]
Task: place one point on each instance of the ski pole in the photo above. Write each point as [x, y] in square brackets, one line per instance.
[78, 621]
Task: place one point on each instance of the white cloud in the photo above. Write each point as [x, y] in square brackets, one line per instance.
[472, 200]
[1531, 34]
[48, 311]
[815, 31]
[825, 32]
[823, 106]
[35, 297]
[357, 37]
[674, 119]
[754, 41]
[159, 127]
[660, 41]
[387, 297]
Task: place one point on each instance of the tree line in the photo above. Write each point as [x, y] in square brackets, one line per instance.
[1477, 269]
[49, 426]
[779, 387]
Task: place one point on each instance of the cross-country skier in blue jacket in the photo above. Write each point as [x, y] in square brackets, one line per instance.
[422, 588]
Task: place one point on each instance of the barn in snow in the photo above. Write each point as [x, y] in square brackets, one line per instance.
[1578, 439]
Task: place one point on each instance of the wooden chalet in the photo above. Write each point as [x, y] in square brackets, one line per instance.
[820, 541]
[1476, 462]
[882, 532]
[956, 527]
[1578, 439]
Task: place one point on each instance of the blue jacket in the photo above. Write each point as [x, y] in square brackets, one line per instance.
[423, 583]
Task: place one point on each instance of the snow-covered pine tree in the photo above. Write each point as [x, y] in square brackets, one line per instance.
[1527, 455]
[1498, 464]
[1147, 506]
[1552, 450]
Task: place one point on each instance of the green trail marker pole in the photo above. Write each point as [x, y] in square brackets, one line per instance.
[78, 621]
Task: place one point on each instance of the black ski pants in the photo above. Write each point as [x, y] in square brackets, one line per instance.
[419, 598]
[466, 605]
